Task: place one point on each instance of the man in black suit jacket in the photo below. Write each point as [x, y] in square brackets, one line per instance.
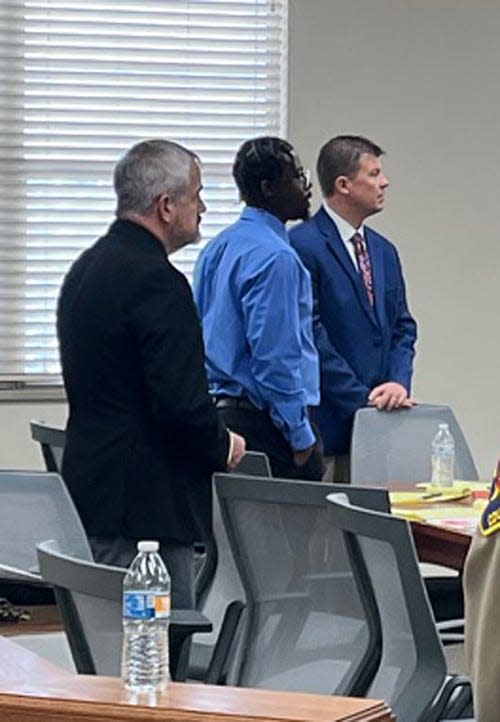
[143, 436]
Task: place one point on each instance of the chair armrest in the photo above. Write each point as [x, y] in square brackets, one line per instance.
[454, 697]
[224, 643]
[185, 622]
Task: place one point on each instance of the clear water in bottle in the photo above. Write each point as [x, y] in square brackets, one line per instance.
[443, 457]
[146, 613]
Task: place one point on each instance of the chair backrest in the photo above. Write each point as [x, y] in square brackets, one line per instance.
[89, 598]
[254, 463]
[306, 628]
[396, 447]
[51, 440]
[412, 666]
[215, 575]
[222, 584]
[35, 506]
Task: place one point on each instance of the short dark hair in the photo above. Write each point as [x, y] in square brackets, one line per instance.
[258, 160]
[340, 156]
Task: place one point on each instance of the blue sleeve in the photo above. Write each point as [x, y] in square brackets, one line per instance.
[204, 278]
[270, 304]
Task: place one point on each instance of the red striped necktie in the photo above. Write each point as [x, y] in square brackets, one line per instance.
[365, 267]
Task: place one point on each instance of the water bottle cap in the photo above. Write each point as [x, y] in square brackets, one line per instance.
[148, 546]
[443, 426]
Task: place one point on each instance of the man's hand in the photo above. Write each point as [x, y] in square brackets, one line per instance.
[300, 458]
[389, 396]
[237, 446]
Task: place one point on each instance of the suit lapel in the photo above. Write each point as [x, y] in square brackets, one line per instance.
[337, 247]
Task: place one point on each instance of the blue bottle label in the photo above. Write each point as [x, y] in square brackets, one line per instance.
[145, 605]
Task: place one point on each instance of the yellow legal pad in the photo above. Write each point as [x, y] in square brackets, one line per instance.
[408, 515]
[431, 495]
[460, 519]
[458, 485]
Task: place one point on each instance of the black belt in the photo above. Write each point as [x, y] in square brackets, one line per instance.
[239, 402]
[234, 402]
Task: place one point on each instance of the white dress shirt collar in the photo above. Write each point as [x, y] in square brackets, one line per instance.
[346, 231]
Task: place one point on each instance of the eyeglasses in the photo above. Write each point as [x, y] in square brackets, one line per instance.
[304, 176]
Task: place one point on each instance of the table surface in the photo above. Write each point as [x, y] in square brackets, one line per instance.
[32, 690]
[442, 529]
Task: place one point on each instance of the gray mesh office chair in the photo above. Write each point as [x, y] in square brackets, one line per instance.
[412, 676]
[306, 628]
[51, 440]
[222, 593]
[34, 506]
[89, 597]
[396, 447]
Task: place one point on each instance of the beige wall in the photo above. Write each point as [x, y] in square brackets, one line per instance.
[17, 450]
[422, 78]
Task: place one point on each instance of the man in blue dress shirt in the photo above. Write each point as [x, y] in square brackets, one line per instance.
[255, 301]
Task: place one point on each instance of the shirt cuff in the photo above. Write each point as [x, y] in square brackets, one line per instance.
[303, 437]
[230, 448]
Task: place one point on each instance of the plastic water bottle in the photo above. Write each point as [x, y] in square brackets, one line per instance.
[146, 613]
[443, 457]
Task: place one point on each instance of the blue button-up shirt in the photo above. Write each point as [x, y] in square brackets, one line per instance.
[255, 301]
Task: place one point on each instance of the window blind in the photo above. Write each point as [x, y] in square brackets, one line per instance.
[80, 83]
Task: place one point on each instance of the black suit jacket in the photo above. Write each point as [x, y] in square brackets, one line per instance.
[143, 437]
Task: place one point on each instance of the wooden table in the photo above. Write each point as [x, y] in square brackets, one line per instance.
[33, 690]
[441, 545]
[43, 618]
[445, 541]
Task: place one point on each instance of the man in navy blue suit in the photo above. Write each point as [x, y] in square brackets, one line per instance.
[363, 329]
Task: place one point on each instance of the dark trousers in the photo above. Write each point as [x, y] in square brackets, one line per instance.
[262, 435]
[338, 469]
[179, 560]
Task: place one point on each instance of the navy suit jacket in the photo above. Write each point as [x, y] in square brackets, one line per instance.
[360, 346]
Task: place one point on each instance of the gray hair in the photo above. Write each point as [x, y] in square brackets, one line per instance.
[149, 169]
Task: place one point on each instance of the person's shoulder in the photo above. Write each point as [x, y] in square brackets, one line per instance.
[380, 242]
[89, 262]
[160, 286]
[377, 237]
[304, 231]
[275, 258]
[211, 248]
[123, 251]
[141, 265]
[262, 253]
[227, 238]
[252, 240]
[309, 237]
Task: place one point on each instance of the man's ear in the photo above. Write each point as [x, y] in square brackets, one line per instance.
[267, 188]
[342, 185]
[164, 207]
